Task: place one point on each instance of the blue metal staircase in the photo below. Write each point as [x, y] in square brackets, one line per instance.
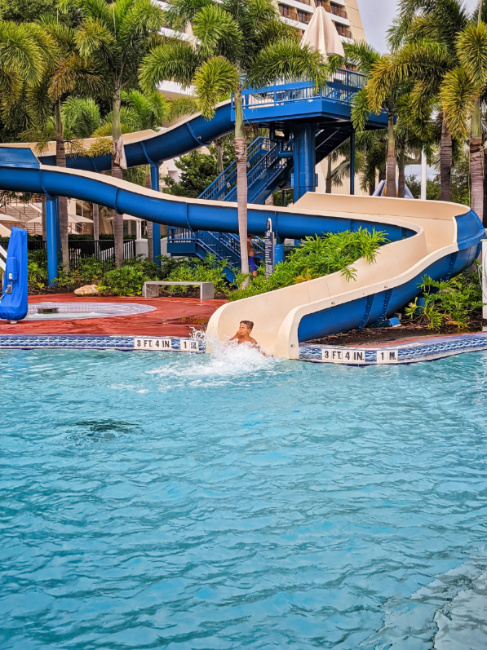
[270, 165]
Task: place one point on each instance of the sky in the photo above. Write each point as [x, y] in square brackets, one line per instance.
[377, 16]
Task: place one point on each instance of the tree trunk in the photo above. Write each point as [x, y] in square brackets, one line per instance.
[401, 184]
[241, 160]
[96, 222]
[44, 225]
[150, 229]
[328, 176]
[391, 158]
[118, 163]
[446, 161]
[476, 162]
[219, 153]
[63, 201]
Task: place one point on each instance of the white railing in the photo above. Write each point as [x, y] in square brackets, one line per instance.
[109, 253]
[3, 258]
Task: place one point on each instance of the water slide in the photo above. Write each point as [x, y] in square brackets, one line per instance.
[148, 147]
[426, 238]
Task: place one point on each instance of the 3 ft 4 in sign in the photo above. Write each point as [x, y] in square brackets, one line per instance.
[348, 355]
[153, 343]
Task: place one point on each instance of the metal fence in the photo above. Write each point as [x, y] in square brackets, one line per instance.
[104, 250]
[80, 249]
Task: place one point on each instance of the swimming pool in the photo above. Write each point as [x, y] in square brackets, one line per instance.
[178, 501]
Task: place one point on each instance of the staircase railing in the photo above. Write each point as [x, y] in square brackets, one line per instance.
[262, 156]
[227, 180]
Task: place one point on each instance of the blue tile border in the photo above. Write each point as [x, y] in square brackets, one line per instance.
[429, 349]
[88, 342]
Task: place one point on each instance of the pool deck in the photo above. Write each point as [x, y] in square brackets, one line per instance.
[172, 323]
[171, 317]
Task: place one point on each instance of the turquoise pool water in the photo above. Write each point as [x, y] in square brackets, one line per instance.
[171, 501]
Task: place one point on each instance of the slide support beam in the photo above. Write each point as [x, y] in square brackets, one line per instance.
[304, 159]
[53, 236]
[352, 163]
[156, 227]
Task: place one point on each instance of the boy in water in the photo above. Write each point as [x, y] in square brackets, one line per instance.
[243, 334]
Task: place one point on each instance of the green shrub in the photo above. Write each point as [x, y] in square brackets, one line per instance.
[448, 303]
[37, 270]
[315, 257]
[197, 270]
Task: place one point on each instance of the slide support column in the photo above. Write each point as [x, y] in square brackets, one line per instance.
[352, 163]
[278, 250]
[156, 227]
[53, 237]
[304, 159]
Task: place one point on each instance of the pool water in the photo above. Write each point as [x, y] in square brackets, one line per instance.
[174, 501]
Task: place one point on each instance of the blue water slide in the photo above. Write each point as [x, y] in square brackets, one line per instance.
[152, 149]
[13, 301]
[20, 171]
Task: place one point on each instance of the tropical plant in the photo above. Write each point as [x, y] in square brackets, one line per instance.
[208, 269]
[448, 303]
[117, 36]
[26, 11]
[237, 44]
[315, 257]
[81, 117]
[199, 170]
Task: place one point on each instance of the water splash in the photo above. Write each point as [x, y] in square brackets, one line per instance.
[227, 361]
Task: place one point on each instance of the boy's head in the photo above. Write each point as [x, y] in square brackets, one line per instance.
[246, 326]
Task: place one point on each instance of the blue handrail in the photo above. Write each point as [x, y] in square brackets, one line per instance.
[342, 87]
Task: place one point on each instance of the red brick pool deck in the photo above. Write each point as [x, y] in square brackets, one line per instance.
[172, 317]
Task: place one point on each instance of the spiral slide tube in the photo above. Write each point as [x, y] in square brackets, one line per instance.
[436, 239]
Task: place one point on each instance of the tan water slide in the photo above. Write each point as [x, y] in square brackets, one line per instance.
[278, 314]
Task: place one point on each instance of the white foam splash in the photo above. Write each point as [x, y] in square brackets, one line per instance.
[227, 360]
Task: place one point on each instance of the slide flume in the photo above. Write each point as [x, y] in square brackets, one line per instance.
[427, 238]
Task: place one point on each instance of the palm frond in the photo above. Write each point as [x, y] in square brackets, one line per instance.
[458, 94]
[182, 106]
[472, 52]
[81, 116]
[181, 12]
[215, 80]
[287, 60]
[92, 36]
[173, 61]
[216, 30]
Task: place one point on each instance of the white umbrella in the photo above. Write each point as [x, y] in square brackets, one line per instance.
[4, 232]
[127, 217]
[6, 218]
[72, 218]
[321, 34]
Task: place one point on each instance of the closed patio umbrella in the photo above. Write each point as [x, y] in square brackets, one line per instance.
[321, 34]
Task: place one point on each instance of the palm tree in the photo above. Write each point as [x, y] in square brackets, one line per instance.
[380, 93]
[117, 36]
[423, 41]
[65, 72]
[461, 96]
[237, 44]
